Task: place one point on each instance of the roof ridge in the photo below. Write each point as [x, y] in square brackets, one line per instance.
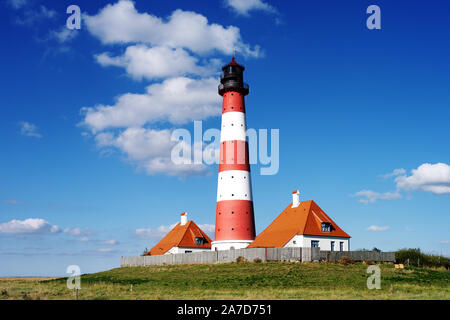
[308, 210]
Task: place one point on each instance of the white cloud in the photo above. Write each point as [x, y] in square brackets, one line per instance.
[150, 150]
[30, 16]
[243, 7]
[28, 226]
[150, 233]
[445, 242]
[63, 34]
[172, 50]
[369, 196]
[377, 228]
[176, 100]
[409, 229]
[17, 4]
[141, 61]
[394, 173]
[102, 242]
[77, 231]
[29, 130]
[47, 13]
[434, 178]
[121, 23]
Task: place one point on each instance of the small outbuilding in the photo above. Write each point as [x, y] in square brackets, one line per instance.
[185, 237]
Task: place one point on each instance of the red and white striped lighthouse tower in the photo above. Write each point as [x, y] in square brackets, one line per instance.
[235, 222]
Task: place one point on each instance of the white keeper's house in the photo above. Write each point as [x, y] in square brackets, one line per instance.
[303, 224]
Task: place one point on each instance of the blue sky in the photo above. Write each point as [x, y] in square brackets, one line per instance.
[86, 120]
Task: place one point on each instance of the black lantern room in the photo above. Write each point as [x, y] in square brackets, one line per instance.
[232, 79]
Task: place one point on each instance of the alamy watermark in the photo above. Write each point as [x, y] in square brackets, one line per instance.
[74, 20]
[374, 281]
[74, 280]
[206, 148]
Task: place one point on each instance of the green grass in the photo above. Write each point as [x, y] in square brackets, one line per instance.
[241, 281]
[416, 257]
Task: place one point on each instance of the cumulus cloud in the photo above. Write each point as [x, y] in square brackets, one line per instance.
[29, 130]
[141, 61]
[176, 100]
[122, 23]
[369, 196]
[434, 178]
[243, 7]
[149, 150]
[28, 226]
[377, 228]
[174, 51]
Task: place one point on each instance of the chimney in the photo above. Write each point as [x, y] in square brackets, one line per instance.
[295, 198]
[183, 218]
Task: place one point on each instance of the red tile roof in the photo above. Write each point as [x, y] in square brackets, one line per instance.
[181, 236]
[305, 219]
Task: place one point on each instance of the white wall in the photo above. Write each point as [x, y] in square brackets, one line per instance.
[228, 244]
[184, 249]
[300, 240]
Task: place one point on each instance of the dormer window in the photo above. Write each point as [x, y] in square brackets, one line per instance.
[199, 241]
[326, 227]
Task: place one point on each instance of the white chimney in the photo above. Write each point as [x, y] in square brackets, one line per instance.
[295, 199]
[183, 218]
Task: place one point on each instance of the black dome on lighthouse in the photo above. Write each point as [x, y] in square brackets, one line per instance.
[232, 78]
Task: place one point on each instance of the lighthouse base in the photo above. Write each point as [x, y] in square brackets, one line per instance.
[230, 244]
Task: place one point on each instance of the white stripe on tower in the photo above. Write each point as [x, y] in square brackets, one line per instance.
[233, 126]
[234, 185]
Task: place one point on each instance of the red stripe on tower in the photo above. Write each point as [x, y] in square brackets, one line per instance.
[235, 222]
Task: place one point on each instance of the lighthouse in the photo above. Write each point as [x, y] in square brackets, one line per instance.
[235, 222]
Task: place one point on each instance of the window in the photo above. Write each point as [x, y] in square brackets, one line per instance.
[199, 241]
[326, 227]
[332, 245]
[314, 243]
[188, 251]
[341, 246]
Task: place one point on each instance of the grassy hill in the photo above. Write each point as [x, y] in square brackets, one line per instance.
[240, 281]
